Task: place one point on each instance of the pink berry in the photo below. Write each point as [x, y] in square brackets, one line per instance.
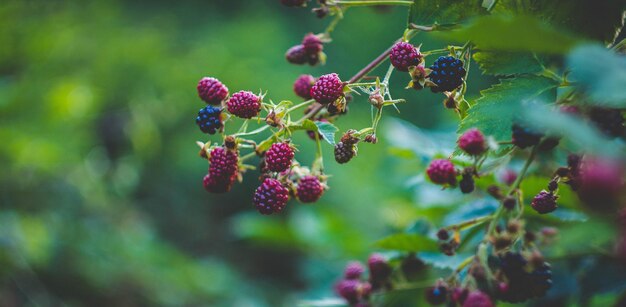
[403, 55]
[478, 299]
[472, 142]
[312, 44]
[244, 104]
[270, 197]
[302, 86]
[327, 89]
[442, 172]
[211, 90]
[601, 182]
[278, 157]
[349, 289]
[310, 189]
[354, 270]
[508, 177]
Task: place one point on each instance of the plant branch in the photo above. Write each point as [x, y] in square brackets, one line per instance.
[346, 3]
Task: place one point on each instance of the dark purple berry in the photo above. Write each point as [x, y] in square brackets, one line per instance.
[244, 104]
[443, 234]
[327, 89]
[544, 202]
[472, 142]
[437, 295]
[209, 119]
[312, 44]
[278, 157]
[601, 182]
[302, 86]
[447, 73]
[442, 172]
[297, 55]
[349, 289]
[344, 152]
[212, 91]
[309, 189]
[403, 55]
[354, 270]
[467, 184]
[270, 197]
[523, 137]
[509, 203]
[380, 270]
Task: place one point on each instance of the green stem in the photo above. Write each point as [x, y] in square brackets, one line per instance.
[253, 132]
[331, 26]
[346, 3]
[248, 156]
[464, 264]
[362, 84]
[472, 222]
[302, 104]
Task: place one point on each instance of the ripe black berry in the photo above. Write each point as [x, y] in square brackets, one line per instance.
[270, 197]
[403, 55]
[437, 295]
[309, 189]
[467, 184]
[279, 156]
[209, 119]
[443, 234]
[244, 104]
[447, 73]
[212, 91]
[327, 89]
[344, 152]
[544, 202]
[380, 270]
[524, 137]
[302, 86]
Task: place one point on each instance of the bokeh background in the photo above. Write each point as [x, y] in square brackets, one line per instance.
[101, 201]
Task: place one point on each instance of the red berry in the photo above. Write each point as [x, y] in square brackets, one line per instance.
[302, 86]
[216, 185]
[478, 299]
[349, 289]
[244, 104]
[310, 189]
[354, 270]
[379, 268]
[601, 182]
[459, 295]
[296, 55]
[223, 169]
[403, 55]
[327, 89]
[279, 157]
[508, 177]
[312, 44]
[544, 202]
[442, 172]
[472, 142]
[211, 90]
[270, 197]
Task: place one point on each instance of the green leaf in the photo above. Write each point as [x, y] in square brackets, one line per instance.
[442, 261]
[514, 34]
[493, 112]
[327, 130]
[507, 63]
[427, 12]
[407, 242]
[601, 73]
[425, 144]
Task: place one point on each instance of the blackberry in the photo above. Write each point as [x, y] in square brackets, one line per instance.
[223, 170]
[544, 202]
[467, 184]
[523, 137]
[211, 90]
[403, 55]
[270, 197]
[509, 203]
[312, 44]
[540, 280]
[294, 3]
[437, 295]
[302, 86]
[344, 152]
[443, 234]
[327, 89]
[244, 104]
[278, 157]
[523, 284]
[447, 73]
[309, 189]
[296, 55]
[609, 121]
[380, 270]
[472, 142]
[478, 299]
[442, 172]
[354, 270]
[209, 119]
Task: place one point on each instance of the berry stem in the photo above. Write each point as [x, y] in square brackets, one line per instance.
[372, 65]
[338, 17]
[247, 156]
[253, 132]
[469, 223]
[302, 104]
[346, 3]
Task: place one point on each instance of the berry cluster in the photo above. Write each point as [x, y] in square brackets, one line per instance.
[310, 51]
[355, 289]
[520, 279]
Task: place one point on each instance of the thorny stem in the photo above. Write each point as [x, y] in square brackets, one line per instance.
[371, 3]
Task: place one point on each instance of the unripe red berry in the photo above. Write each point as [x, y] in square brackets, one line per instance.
[354, 270]
[244, 104]
[211, 90]
[349, 289]
[544, 202]
[327, 89]
[270, 197]
[278, 157]
[472, 142]
[309, 189]
[478, 299]
[223, 169]
[379, 268]
[601, 182]
[442, 172]
[403, 55]
[508, 177]
[312, 44]
[302, 86]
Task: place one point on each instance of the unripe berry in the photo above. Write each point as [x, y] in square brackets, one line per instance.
[312, 44]
[544, 202]
[327, 89]
[601, 182]
[442, 172]
[302, 86]
[223, 170]
[209, 119]
[270, 197]
[278, 157]
[244, 104]
[447, 73]
[309, 189]
[211, 90]
[354, 270]
[478, 299]
[472, 142]
[349, 289]
[379, 268]
[508, 177]
[403, 55]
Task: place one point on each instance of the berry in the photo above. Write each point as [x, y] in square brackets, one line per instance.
[244, 104]
[544, 202]
[296, 55]
[380, 270]
[523, 284]
[443, 235]
[540, 280]
[478, 299]
[209, 119]
[354, 270]
[601, 182]
[327, 89]
[472, 142]
[447, 73]
[349, 289]
[524, 137]
[403, 55]
[609, 121]
[442, 172]
[459, 295]
[293, 3]
[270, 197]
[509, 203]
[302, 86]
[216, 185]
[508, 177]
[279, 157]
[344, 152]
[211, 90]
[467, 184]
[223, 170]
[437, 295]
[309, 189]
[312, 44]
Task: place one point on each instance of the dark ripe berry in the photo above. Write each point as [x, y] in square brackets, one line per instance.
[467, 184]
[293, 3]
[437, 295]
[302, 86]
[344, 152]
[609, 121]
[312, 133]
[478, 299]
[512, 264]
[212, 91]
[312, 44]
[404, 55]
[447, 73]
[540, 280]
[244, 104]
[544, 202]
[327, 89]
[523, 137]
[223, 170]
[209, 119]
[297, 55]
[354, 270]
[553, 185]
[278, 157]
[411, 266]
[459, 295]
[443, 234]
[380, 270]
[523, 284]
[509, 203]
[442, 172]
[309, 189]
[472, 142]
[270, 197]
[349, 289]
[508, 177]
[601, 182]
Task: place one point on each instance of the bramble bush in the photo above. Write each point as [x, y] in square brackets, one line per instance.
[540, 156]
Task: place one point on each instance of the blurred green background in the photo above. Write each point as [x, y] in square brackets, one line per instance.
[101, 201]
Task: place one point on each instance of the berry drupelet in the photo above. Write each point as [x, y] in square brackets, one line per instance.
[212, 91]
[309, 189]
[270, 197]
[404, 55]
[302, 86]
[472, 142]
[447, 73]
[544, 202]
[327, 89]
[209, 119]
[278, 157]
[442, 172]
[244, 104]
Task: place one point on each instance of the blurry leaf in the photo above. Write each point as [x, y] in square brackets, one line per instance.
[407, 242]
[470, 211]
[506, 63]
[251, 226]
[327, 130]
[591, 236]
[601, 73]
[602, 275]
[401, 134]
[493, 164]
[515, 34]
[441, 261]
[421, 227]
[425, 12]
[401, 153]
[568, 215]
